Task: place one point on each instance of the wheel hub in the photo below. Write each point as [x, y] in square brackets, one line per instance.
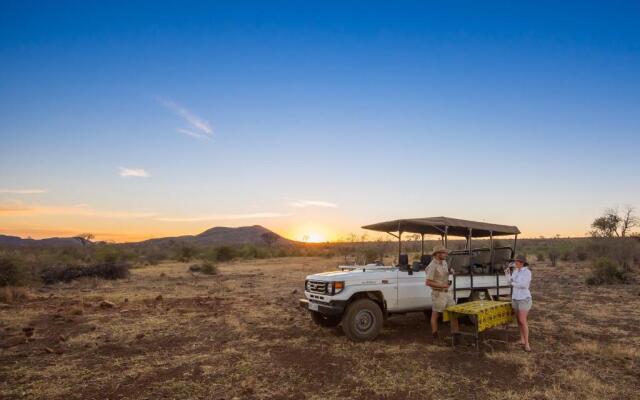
[364, 321]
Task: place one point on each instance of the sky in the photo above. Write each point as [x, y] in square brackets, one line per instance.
[133, 120]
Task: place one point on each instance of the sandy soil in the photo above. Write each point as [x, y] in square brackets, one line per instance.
[167, 333]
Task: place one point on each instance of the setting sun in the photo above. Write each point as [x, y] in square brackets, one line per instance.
[314, 237]
[311, 233]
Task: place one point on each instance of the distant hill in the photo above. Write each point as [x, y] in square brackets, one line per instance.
[225, 236]
[15, 241]
[211, 237]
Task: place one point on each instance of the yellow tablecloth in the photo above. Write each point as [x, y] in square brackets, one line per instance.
[489, 313]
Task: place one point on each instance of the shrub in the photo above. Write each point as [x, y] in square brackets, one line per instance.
[582, 256]
[553, 257]
[225, 253]
[208, 268]
[604, 271]
[153, 258]
[371, 255]
[625, 251]
[68, 273]
[209, 255]
[12, 273]
[540, 257]
[186, 253]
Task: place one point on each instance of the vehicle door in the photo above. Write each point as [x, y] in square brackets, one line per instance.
[413, 294]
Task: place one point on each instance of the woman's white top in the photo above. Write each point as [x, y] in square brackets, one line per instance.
[520, 280]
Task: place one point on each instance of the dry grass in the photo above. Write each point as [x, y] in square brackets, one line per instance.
[240, 334]
[12, 294]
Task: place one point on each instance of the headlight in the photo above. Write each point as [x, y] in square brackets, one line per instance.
[335, 287]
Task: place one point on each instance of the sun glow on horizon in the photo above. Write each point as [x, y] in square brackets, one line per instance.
[314, 237]
[311, 233]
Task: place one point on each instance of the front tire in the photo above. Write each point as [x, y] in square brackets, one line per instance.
[327, 321]
[363, 320]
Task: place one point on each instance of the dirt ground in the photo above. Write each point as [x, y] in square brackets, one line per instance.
[167, 333]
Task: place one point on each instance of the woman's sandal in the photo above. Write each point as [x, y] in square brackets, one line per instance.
[527, 349]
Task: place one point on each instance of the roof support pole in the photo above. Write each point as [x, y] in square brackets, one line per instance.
[469, 242]
[399, 245]
[491, 247]
[515, 244]
[421, 245]
[446, 236]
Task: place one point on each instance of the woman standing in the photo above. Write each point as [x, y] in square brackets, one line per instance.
[521, 296]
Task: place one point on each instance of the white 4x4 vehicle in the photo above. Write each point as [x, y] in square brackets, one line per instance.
[362, 297]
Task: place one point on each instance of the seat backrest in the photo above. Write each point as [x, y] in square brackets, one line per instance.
[425, 259]
[482, 257]
[501, 255]
[459, 262]
[403, 259]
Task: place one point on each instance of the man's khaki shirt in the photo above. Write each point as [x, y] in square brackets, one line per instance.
[438, 271]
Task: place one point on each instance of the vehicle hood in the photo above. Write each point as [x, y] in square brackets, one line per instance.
[356, 274]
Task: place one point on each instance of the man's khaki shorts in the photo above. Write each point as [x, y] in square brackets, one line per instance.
[441, 300]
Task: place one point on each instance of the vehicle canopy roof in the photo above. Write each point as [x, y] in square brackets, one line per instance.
[442, 225]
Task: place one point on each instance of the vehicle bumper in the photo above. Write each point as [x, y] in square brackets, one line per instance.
[335, 307]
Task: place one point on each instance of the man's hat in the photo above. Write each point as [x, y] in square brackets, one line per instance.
[522, 258]
[439, 249]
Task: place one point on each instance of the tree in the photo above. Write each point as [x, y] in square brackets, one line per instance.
[629, 221]
[85, 238]
[614, 223]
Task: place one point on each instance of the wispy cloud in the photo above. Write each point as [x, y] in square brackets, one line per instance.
[18, 208]
[133, 172]
[192, 134]
[22, 191]
[312, 203]
[12, 206]
[198, 127]
[223, 217]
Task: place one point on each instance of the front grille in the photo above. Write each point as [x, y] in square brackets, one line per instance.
[317, 287]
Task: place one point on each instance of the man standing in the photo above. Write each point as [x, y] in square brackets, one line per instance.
[438, 281]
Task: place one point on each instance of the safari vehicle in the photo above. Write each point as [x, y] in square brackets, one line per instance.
[361, 298]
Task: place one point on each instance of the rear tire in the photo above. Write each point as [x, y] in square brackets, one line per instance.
[327, 321]
[363, 320]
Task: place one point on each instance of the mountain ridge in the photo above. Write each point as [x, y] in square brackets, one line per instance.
[216, 236]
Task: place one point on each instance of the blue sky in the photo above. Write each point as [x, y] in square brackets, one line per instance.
[314, 119]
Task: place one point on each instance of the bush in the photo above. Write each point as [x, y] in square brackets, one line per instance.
[110, 255]
[625, 251]
[582, 256]
[209, 268]
[12, 273]
[186, 253]
[153, 258]
[225, 253]
[69, 273]
[540, 257]
[605, 271]
[553, 257]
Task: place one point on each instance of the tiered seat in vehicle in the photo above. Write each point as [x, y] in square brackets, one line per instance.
[500, 257]
[459, 260]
